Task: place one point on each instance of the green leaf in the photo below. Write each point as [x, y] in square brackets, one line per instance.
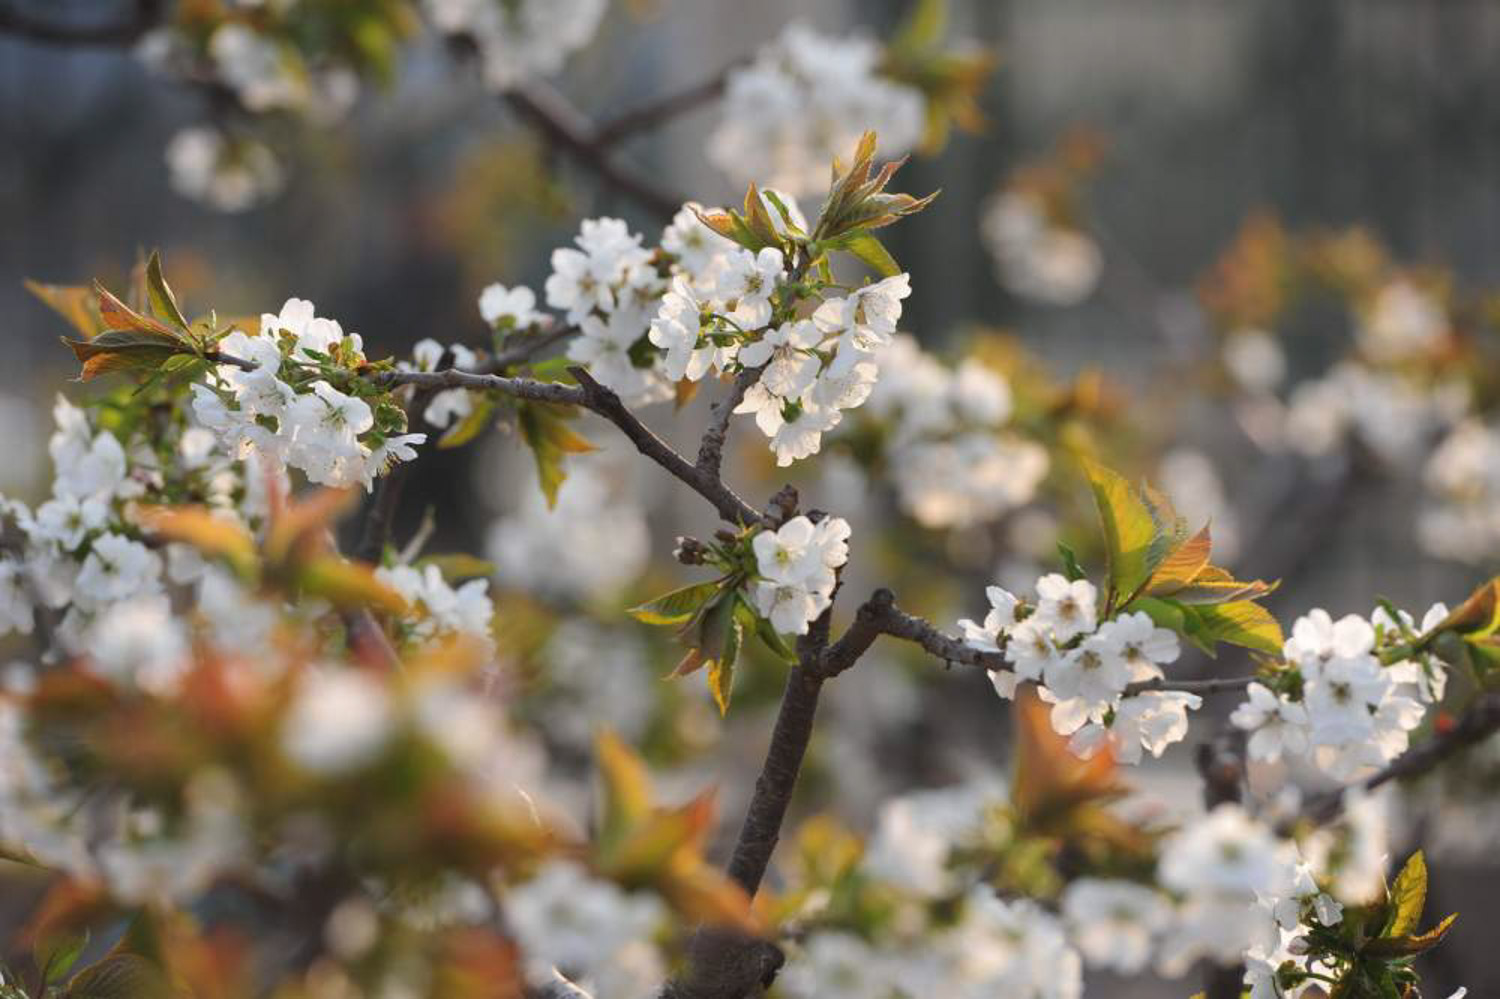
[55, 954]
[1242, 623]
[482, 407]
[1408, 895]
[457, 567]
[163, 302]
[545, 428]
[719, 638]
[1130, 532]
[123, 976]
[1071, 568]
[677, 607]
[870, 251]
[924, 27]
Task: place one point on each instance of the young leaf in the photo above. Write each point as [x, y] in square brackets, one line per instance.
[624, 788]
[1407, 946]
[1129, 530]
[871, 252]
[163, 302]
[675, 608]
[482, 407]
[77, 304]
[1182, 565]
[1240, 623]
[545, 428]
[1408, 895]
[55, 954]
[1071, 569]
[124, 350]
[116, 315]
[719, 637]
[123, 976]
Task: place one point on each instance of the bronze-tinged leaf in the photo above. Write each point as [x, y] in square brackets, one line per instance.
[78, 304]
[210, 534]
[1216, 586]
[624, 789]
[1476, 617]
[689, 664]
[116, 315]
[1050, 780]
[1407, 946]
[1182, 565]
[123, 350]
[684, 392]
[481, 411]
[702, 894]
[644, 854]
[305, 523]
[347, 584]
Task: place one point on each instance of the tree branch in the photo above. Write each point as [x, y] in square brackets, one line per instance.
[570, 130]
[711, 450]
[878, 616]
[661, 110]
[590, 395]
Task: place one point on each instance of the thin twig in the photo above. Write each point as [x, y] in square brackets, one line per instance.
[711, 450]
[658, 112]
[570, 130]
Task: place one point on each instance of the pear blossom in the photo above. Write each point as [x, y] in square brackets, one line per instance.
[508, 308]
[1113, 923]
[1068, 607]
[339, 721]
[1276, 725]
[747, 284]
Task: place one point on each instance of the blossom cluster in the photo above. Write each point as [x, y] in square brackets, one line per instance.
[953, 460]
[519, 40]
[1037, 257]
[1337, 702]
[797, 566]
[804, 101]
[332, 436]
[1083, 666]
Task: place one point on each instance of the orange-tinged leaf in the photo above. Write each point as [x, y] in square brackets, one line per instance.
[78, 304]
[1182, 565]
[1050, 780]
[624, 787]
[1129, 529]
[1476, 617]
[123, 350]
[646, 851]
[116, 315]
[348, 584]
[1406, 946]
[200, 527]
[704, 895]
[306, 521]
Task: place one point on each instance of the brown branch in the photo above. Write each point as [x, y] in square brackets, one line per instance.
[590, 395]
[661, 110]
[711, 450]
[570, 130]
[878, 616]
[46, 32]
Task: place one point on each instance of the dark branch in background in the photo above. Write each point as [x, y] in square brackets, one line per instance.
[1478, 723]
[146, 15]
[570, 130]
[660, 111]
